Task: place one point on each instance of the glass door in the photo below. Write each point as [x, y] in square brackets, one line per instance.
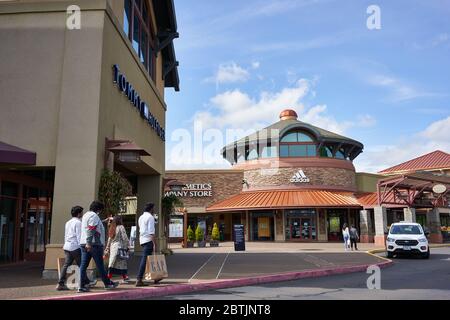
[8, 207]
[306, 229]
[36, 229]
[295, 224]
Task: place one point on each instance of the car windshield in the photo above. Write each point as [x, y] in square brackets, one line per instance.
[406, 229]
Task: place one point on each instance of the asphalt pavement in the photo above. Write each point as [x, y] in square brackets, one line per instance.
[23, 281]
[410, 278]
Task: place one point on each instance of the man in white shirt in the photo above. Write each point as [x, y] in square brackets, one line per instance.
[92, 242]
[72, 249]
[146, 238]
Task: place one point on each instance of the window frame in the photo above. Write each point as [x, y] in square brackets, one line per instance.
[144, 27]
[290, 145]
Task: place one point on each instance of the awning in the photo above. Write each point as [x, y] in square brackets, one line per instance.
[278, 199]
[10, 154]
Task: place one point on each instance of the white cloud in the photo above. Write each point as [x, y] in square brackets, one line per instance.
[305, 44]
[229, 73]
[256, 64]
[378, 75]
[438, 131]
[435, 137]
[366, 120]
[236, 109]
[400, 90]
[277, 7]
[440, 39]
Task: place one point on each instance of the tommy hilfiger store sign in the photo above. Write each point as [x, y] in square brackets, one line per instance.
[125, 87]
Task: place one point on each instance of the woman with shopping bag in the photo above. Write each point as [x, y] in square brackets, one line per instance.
[117, 249]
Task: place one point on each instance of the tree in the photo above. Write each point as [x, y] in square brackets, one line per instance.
[169, 203]
[215, 233]
[199, 236]
[113, 189]
[190, 234]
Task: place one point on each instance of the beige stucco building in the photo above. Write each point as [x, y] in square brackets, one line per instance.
[74, 85]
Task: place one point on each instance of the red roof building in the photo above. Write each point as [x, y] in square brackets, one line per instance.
[437, 160]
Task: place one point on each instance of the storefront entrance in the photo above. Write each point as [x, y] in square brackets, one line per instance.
[262, 226]
[301, 225]
[335, 221]
[25, 214]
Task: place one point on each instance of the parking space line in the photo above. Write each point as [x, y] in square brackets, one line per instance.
[202, 266]
[220, 270]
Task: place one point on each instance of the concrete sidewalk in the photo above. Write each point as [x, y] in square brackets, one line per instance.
[195, 268]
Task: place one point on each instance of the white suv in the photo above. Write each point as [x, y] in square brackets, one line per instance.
[407, 237]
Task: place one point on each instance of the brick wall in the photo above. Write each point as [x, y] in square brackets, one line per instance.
[341, 178]
[225, 183]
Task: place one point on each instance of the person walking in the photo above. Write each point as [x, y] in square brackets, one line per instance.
[146, 240]
[92, 243]
[346, 236]
[72, 249]
[354, 237]
[117, 249]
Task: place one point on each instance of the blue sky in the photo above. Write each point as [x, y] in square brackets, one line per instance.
[242, 62]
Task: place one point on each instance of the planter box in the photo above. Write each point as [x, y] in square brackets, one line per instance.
[189, 244]
[201, 244]
[214, 243]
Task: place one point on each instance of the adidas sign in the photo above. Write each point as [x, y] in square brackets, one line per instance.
[299, 177]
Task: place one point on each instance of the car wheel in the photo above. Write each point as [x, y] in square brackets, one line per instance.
[390, 254]
[426, 255]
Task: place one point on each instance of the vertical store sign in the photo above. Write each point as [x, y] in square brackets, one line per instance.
[239, 237]
[126, 88]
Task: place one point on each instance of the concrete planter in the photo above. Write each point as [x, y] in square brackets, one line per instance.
[214, 243]
[189, 244]
[201, 244]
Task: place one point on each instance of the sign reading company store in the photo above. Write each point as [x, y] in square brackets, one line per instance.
[133, 96]
[193, 190]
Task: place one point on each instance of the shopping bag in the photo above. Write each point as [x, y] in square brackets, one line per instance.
[156, 268]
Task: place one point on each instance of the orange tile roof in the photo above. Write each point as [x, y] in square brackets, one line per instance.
[277, 199]
[434, 160]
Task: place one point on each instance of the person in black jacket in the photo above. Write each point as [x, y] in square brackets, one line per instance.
[354, 237]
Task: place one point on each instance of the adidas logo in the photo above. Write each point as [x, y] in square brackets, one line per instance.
[299, 177]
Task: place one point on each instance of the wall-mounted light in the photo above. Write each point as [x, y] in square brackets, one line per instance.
[126, 151]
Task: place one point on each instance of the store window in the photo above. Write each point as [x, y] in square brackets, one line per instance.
[262, 226]
[137, 25]
[297, 144]
[269, 152]
[252, 155]
[326, 152]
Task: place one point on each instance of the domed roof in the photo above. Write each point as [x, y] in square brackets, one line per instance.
[288, 122]
[288, 114]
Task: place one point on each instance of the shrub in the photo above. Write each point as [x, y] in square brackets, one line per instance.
[215, 233]
[199, 234]
[190, 234]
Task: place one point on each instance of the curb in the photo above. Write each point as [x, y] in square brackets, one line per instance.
[220, 284]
